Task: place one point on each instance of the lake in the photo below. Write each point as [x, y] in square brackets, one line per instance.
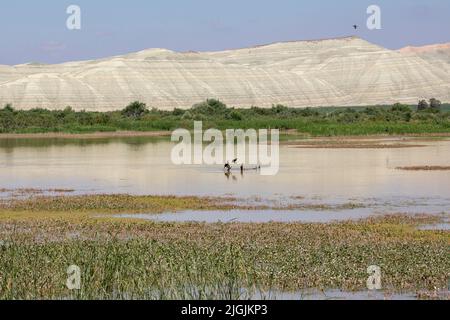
[142, 166]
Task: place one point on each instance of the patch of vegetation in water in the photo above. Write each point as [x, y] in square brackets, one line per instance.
[78, 206]
[37, 204]
[425, 168]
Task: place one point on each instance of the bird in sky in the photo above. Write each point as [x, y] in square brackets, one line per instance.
[355, 26]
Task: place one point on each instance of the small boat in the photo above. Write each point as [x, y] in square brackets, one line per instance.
[242, 168]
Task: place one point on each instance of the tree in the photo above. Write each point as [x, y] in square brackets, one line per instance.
[210, 107]
[307, 112]
[68, 109]
[236, 115]
[135, 110]
[7, 122]
[423, 105]
[279, 108]
[435, 104]
[400, 108]
[178, 112]
[64, 113]
[8, 107]
[187, 116]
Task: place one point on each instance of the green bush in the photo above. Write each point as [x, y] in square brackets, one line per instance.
[8, 108]
[135, 110]
[235, 115]
[187, 115]
[210, 107]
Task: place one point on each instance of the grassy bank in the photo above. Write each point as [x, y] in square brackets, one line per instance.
[40, 237]
[123, 260]
[396, 119]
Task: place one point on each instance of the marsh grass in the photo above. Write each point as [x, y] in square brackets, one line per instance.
[30, 206]
[114, 203]
[131, 260]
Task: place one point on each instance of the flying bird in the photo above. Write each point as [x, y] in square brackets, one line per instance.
[355, 26]
[235, 160]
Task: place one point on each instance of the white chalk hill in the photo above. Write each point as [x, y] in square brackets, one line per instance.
[335, 72]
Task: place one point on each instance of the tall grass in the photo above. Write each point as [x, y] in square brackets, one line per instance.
[131, 260]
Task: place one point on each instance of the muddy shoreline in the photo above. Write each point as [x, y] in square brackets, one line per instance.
[425, 168]
[94, 135]
[124, 134]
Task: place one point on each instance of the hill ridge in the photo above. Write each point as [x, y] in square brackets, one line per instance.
[346, 71]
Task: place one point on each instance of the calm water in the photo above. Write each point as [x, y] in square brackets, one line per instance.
[143, 166]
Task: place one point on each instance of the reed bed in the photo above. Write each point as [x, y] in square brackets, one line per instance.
[145, 260]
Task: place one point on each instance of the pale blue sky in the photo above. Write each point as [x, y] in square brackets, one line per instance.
[36, 30]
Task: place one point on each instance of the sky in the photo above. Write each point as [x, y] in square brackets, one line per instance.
[36, 31]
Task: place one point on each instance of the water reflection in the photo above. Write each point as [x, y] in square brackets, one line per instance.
[7, 145]
[142, 165]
